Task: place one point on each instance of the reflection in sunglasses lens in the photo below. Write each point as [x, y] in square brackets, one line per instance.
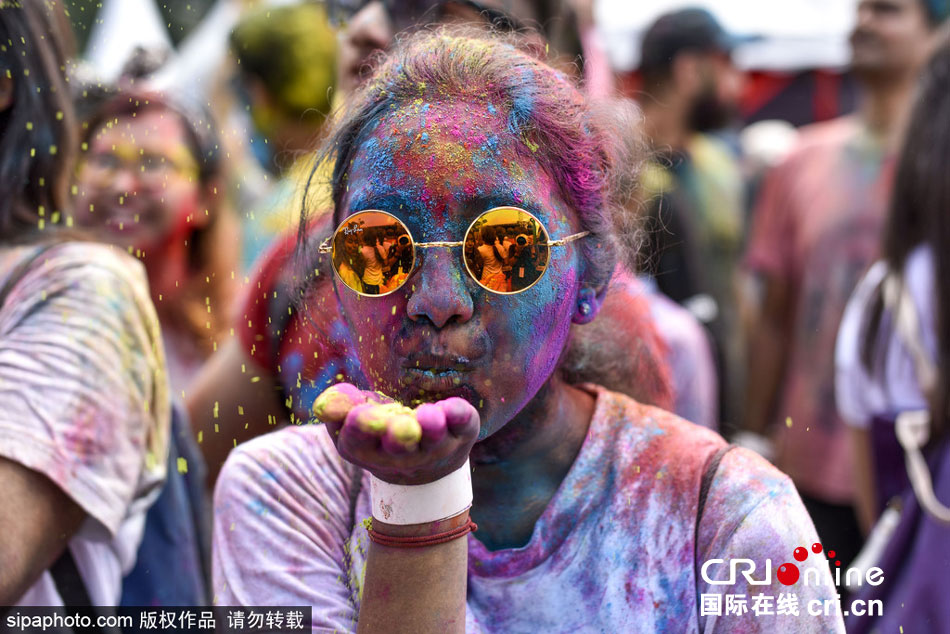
[373, 253]
[506, 250]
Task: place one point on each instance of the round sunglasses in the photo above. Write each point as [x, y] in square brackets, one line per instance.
[505, 250]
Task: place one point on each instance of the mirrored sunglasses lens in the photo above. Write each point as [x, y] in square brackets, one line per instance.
[373, 253]
[506, 250]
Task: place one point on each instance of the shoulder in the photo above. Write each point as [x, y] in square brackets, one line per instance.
[821, 138]
[85, 264]
[652, 440]
[664, 445]
[95, 287]
[743, 482]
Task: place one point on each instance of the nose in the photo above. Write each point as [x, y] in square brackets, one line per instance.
[440, 294]
[124, 180]
[865, 17]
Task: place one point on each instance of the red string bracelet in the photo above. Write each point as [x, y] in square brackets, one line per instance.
[423, 540]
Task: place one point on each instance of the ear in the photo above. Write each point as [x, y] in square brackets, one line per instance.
[6, 91]
[589, 301]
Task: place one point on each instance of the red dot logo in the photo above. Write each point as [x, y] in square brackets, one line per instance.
[816, 548]
[787, 574]
[800, 554]
[831, 554]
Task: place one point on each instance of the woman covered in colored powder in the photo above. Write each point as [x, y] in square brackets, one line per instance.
[281, 359]
[589, 505]
[148, 181]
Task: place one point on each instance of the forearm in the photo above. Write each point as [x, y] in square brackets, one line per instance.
[36, 520]
[865, 501]
[232, 401]
[416, 589]
[767, 352]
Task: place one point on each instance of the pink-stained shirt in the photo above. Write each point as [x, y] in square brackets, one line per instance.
[614, 551]
[84, 399]
[817, 227]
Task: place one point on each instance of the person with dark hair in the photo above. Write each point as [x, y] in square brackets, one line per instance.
[878, 372]
[84, 404]
[816, 229]
[149, 180]
[492, 260]
[892, 361]
[693, 188]
[590, 508]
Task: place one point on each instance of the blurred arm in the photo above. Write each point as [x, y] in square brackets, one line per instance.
[865, 501]
[767, 352]
[37, 519]
[231, 383]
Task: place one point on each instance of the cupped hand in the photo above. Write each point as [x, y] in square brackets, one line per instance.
[393, 442]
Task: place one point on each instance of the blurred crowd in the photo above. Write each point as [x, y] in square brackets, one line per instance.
[781, 284]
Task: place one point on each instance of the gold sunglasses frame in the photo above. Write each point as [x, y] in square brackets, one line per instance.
[327, 246]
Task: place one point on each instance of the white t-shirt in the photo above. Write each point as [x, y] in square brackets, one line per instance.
[84, 399]
[893, 387]
[615, 550]
[492, 265]
[373, 274]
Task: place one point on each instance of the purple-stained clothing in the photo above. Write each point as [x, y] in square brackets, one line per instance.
[615, 550]
[689, 356]
[817, 228]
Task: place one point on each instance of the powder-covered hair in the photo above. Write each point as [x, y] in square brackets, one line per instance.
[593, 153]
[573, 142]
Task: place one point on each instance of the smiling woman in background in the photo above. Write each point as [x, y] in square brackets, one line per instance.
[148, 182]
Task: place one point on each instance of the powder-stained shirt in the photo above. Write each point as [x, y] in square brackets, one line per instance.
[84, 398]
[892, 385]
[615, 550]
[817, 227]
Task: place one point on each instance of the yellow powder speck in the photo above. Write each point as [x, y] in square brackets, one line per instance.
[788, 421]
[215, 410]
[182, 465]
[255, 379]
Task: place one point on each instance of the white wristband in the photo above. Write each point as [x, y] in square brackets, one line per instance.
[421, 503]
